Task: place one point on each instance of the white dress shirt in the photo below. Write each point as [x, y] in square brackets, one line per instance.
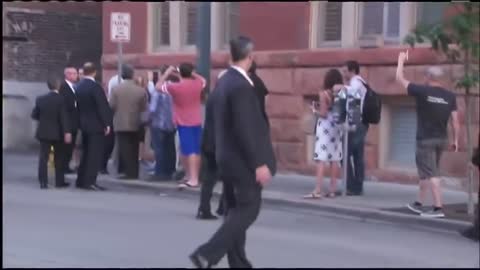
[239, 69]
[111, 84]
[71, 85]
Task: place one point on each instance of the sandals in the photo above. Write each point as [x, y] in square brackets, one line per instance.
[187, 185]
[313, 196]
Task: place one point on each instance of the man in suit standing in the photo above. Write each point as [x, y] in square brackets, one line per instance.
[67, 91]
[53, 129]
[95, 124]
[244, 155]
[128, 101]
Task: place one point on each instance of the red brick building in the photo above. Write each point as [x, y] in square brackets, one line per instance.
[296, 43]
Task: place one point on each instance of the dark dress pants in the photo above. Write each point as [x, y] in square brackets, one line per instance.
[93, 145]
[128, 146]
[163, 143]
[108, 149]
[356, 160]
[69, 151]
[243, 203]
[59, 150]
[208, 178]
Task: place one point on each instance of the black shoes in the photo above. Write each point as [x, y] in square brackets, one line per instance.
[99, 188]
[351, 193]
[62, 185]
[104, 172]
[206, 216]
[92, 188]
[43, 186]
[199, 262]
[472, 233]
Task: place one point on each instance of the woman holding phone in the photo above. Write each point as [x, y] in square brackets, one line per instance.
[328, 137]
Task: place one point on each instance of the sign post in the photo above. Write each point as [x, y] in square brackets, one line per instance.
[120, 26]
[120, 33]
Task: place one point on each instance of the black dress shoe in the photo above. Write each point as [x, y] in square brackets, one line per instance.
[100, 188]
[43, 186]
[206, 216]
[199, 262]
[104, 172]
[126, 177]
[471, 234]
[220, 212]
[62, 185]
[90, 188]
[351, 193]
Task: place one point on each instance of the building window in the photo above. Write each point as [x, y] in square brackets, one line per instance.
[161, 25]
[430, 12]
[326, 24]
[380, 19]
[190, 12]
[229, 18]
[331, 16]
[173, 25]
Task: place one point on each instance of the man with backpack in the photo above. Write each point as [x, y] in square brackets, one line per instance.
[370, 108]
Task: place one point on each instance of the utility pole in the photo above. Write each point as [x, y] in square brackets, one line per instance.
[203, 41]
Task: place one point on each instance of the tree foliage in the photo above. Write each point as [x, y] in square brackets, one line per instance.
[457, 37]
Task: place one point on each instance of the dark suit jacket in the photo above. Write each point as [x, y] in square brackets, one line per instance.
[70, 100]
[261, 91]
[51, 115]
[208, 167]
[241, 134]
[94, 112]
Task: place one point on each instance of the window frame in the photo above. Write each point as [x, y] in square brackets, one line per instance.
[387, 40]
[177, 42]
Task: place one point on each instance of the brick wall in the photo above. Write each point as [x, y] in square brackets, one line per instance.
[55, 39]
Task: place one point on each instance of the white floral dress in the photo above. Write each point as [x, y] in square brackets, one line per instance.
[328, 141]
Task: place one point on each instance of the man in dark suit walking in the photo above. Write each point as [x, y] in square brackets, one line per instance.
[53, 129]
[95, 124]
[244, 155]
[67, 91]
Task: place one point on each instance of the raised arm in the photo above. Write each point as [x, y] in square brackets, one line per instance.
[400, 76]
[200, 77]
[164, 77]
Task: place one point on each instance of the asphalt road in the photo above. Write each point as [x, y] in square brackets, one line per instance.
[73, 228]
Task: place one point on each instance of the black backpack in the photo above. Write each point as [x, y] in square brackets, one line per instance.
[372, 106]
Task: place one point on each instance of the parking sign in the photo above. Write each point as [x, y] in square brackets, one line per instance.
[120, 27]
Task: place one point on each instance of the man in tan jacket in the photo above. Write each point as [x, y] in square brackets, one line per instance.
[128, 101]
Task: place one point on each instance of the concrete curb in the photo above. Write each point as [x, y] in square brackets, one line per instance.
[275, 198]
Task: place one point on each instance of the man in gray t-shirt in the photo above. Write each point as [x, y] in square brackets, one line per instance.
[435, 107]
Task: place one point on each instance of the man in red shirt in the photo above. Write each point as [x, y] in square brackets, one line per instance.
[187, 107]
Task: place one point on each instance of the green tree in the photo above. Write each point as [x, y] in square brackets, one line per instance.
[457, 37]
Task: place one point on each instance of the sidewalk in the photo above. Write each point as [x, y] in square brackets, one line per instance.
[381, 201]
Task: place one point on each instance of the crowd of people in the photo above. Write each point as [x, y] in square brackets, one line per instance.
[233, 145]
